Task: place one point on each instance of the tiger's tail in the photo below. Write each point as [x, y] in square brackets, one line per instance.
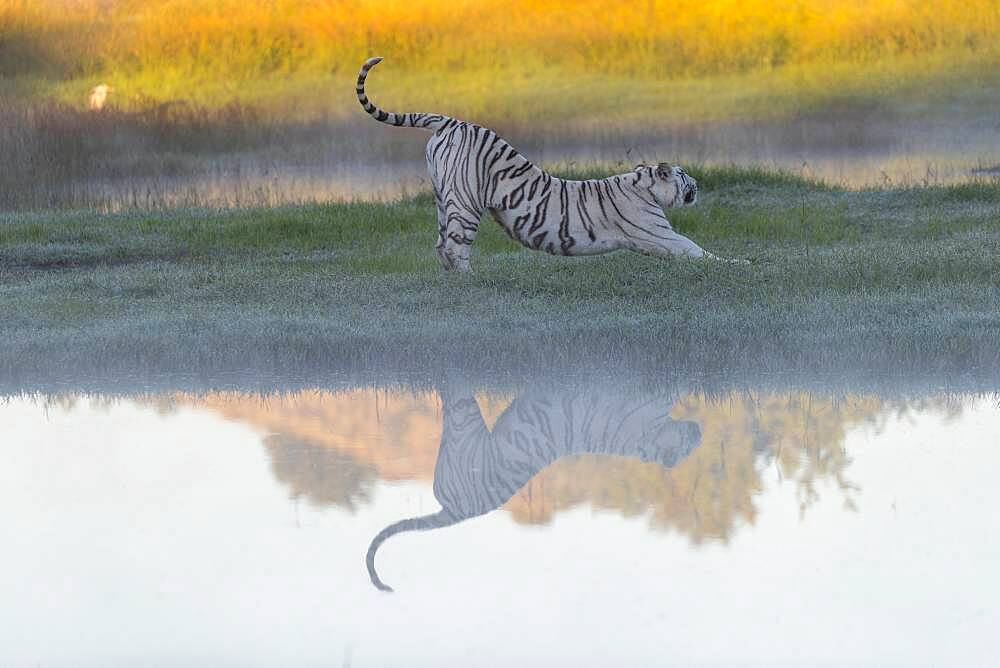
[432, 122]
[439, 519]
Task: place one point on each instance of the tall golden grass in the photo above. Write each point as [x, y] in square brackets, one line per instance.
[655, 38]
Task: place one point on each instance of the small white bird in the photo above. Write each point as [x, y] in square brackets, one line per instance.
[98, 96]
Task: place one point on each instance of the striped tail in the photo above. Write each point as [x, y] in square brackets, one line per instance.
[442, 518]
[433, 122]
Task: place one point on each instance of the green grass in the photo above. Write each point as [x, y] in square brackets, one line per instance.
[887, 280]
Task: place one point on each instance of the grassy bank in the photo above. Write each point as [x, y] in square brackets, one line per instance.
[893, 280]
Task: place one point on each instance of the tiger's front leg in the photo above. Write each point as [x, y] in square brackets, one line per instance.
[678, 245]
[671, 245]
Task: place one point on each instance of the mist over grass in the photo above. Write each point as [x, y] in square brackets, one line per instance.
[872, 281]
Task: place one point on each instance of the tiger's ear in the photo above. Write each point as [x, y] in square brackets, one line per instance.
[666, 170]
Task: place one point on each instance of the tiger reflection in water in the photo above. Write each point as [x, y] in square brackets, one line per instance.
[478, 470]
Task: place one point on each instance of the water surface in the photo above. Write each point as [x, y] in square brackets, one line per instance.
[575, 526]
[363, 160]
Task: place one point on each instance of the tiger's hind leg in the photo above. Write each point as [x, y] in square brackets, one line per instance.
[442, 229]
[457, 227]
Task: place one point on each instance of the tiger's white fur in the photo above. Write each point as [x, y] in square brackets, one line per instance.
[473, 170]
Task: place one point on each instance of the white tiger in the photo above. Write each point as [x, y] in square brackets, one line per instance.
[473, 171]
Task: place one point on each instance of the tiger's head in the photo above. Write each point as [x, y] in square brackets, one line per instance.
[669, 184]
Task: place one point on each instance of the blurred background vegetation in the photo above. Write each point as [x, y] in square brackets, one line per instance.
[223, 88]
[214, 51]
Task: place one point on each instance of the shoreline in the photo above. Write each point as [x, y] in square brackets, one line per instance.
[879, 281]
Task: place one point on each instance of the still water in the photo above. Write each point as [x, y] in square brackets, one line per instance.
[553, 527]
